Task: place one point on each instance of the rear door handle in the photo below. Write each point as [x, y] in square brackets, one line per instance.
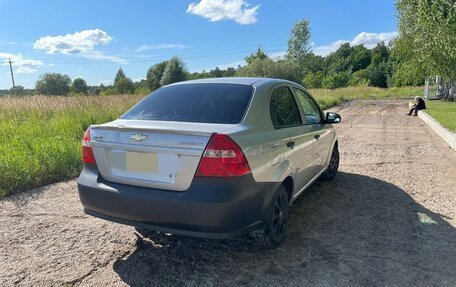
[290, 144]
[317, 137]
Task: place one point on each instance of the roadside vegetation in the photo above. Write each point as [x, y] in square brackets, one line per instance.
[328, 98]
[40, 137]
[444, 112]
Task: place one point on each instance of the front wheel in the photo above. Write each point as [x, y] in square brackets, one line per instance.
[333, 166]
[276, 226]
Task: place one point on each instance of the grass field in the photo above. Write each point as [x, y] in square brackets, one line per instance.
[329, 98]
[40, 137]
[443, 112]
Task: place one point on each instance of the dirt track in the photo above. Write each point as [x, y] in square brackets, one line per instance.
[389, 219]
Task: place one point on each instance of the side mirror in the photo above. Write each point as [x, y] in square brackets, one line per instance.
[333, 118]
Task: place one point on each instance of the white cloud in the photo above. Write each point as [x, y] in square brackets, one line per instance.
[96, 55]
[161, 46]
[79, 43]
[369, 40]
[138, 79]
[278, 55]
[328, 49]
[218, 10]
[23, 65]
[230, 65]
[104, 82]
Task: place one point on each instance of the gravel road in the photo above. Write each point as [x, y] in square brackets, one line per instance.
[388, 219]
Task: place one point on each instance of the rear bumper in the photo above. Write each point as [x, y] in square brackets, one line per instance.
[210, 208]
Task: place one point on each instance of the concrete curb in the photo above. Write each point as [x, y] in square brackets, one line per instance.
[448, 136]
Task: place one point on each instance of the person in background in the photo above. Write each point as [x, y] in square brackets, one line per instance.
[419, 105]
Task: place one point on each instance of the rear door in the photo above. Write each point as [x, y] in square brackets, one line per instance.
[318, 132]
[293, 138]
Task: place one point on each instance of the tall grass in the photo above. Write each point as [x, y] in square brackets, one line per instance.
[329, 98]
[40, 136]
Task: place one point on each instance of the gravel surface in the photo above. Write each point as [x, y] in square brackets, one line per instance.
[388, 219]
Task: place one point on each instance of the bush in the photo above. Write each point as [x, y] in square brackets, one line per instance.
[142, 91]
[360, 78]
[337, 80]
[109, 92]
[313, 80]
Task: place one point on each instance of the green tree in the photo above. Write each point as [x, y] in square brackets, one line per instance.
[339, 61]
[79, 86]
[298, 44]
[260, 54]
[17, 91]
[229, 72]
[428, 28]
[380, 54]
[174, 71]
[360, 58]
[378, 75]
[267, 68]
[119, 75]
[53, 84]
[125, 86]
[216, 73]
[312, 64]
[155, 74]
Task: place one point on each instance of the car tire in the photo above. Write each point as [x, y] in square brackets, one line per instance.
[144, 231]
[274, 232]
[333, 166]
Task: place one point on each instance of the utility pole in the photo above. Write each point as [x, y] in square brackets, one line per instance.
[12, 76]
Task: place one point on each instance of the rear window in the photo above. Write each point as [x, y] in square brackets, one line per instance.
[201, 103]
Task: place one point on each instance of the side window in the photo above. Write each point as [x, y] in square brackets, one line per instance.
[283, 108]
[309, 107]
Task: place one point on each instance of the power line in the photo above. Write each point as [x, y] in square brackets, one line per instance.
[193, 55]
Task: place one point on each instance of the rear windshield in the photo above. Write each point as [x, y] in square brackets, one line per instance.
[201, 103]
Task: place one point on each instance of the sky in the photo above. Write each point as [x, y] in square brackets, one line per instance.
[93, 39]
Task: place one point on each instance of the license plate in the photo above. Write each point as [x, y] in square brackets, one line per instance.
[142, 162]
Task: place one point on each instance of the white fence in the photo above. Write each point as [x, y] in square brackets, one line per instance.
[438, 88]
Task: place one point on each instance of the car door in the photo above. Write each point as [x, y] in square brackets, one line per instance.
[293, 140]
[316, 129]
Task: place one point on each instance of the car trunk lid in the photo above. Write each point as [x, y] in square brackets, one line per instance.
[155, 154]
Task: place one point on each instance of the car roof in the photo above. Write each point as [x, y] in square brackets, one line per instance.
[235, 80]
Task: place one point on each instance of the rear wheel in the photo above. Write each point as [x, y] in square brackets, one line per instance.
[333, 167]
[274, 232]
[144, 231]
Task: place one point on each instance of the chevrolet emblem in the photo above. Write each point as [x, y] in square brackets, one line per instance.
[138, 137]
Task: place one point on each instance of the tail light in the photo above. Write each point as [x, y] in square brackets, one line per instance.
[87, 152]
[222, 158]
